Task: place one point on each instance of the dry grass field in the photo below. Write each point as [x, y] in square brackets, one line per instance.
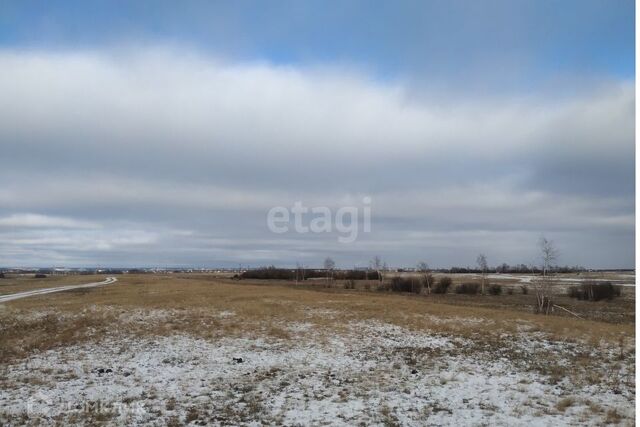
[199, 349]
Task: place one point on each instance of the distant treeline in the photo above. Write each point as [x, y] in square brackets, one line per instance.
[515, 269]
[274, 273]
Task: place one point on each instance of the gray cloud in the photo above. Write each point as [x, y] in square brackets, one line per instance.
[174, 158]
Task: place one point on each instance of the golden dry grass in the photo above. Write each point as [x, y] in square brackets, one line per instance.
[196, 301]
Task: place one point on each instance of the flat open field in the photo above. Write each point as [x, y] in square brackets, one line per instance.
[198, 349]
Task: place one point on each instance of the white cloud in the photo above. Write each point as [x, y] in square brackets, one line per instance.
[165, 141]
[28, 220]
[164, 100]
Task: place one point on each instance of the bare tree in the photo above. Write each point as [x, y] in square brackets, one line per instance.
[329, 265]
[384, 270]
[299, 272]
[377, 265]
[548, 255]
[482, 264]
[423, 268]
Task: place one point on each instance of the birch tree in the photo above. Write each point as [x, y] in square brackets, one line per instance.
[329, 265]
[377, 266]
[548, 255]
[299, 272]
[423, 268]
[482, 264]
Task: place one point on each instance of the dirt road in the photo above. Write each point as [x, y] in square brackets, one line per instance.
[11, 297]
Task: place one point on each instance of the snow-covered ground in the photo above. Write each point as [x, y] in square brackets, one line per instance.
[619, 279]
[370, 373]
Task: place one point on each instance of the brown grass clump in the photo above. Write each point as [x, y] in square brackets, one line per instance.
[193, 414]
[468, 288]
[613, 417]
[564, 403]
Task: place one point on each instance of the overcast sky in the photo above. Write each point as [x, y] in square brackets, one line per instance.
[141, 133]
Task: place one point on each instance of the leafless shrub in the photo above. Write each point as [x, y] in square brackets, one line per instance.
[468, 288]
[383, 286]
[443, 285]
[495, 289]
[592, 291]
[401, 284]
